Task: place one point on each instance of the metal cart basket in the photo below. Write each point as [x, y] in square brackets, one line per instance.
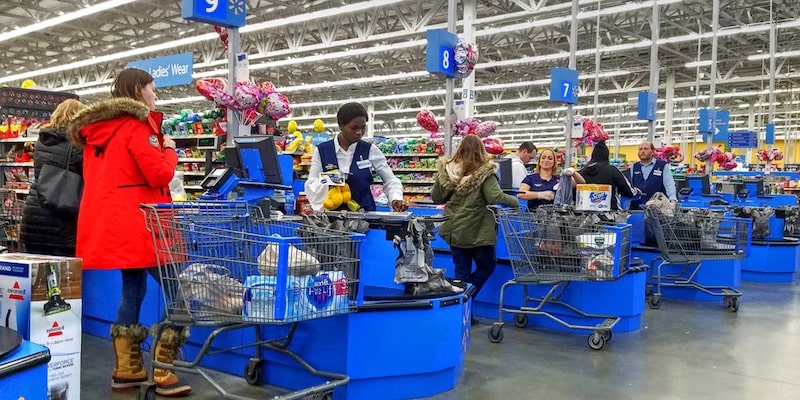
[687, 236]
[555, 246]
[223, 265]
[10, 220]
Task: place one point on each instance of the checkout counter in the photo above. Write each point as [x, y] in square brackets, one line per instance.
[23, 369]
[393, 346]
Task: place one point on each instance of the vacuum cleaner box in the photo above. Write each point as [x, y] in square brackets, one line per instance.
[593, 197]
[40, 297]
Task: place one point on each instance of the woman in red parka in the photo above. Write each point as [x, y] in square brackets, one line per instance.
[127, 161]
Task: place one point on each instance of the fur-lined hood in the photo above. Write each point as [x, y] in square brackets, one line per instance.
[450, 176]
[98, 123]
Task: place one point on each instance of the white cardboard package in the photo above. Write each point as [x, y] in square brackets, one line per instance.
[589, 197]
[40, 297]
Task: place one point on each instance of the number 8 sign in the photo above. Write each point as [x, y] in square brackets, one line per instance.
[439, 56]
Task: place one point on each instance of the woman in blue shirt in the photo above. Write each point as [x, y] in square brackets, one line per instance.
[540, 187]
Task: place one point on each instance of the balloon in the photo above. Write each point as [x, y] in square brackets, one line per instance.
[214, 89]
[493, 145]
[266, 87]
[223, 36]
[486, 129]
[274, 105]
[247, 95]
[427, 121]
[28, 83]
[466, 57]
[292, 128]
[319, 126]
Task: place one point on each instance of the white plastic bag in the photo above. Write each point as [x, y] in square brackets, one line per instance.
[176, 187]
[300, 262]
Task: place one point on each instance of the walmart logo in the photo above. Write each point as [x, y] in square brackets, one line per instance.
[237, 6]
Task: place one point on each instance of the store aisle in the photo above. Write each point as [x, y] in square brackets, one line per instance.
[683, 351]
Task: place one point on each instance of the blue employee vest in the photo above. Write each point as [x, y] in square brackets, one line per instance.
[358, 179]
[654, 182]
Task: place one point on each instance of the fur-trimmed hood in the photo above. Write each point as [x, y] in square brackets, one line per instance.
[451, 179]
[98, 123]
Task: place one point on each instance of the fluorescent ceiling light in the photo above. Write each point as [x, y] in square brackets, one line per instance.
[765, 56]
[695, 64]
[83, 12]
[348, 9]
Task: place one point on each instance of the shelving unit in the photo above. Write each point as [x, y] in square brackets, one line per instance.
[415, 171]
[195, 168]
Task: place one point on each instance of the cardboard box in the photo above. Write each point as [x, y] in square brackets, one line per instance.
[40, 297]
[593, 197]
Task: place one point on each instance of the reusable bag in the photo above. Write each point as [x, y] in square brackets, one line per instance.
[58, 188]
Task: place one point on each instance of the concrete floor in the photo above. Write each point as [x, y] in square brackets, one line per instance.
[683, 351]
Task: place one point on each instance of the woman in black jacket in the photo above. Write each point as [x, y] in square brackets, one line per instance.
[46, 231]
[599, 171]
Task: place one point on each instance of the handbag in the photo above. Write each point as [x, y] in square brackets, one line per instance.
[58, 188]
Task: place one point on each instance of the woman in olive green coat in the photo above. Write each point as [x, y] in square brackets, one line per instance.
[466, 184]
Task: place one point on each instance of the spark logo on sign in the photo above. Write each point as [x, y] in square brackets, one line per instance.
[16, 293]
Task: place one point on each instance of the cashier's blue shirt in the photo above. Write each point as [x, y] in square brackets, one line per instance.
[537, 184]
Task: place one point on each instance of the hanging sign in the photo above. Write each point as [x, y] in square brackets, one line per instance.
[439, 54]
[563, 85]
[172, 70]
[647, 107]
[770, 139]
[227, 13]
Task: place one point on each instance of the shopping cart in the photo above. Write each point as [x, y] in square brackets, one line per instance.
[10, 220]
[223, 265]
[687, 236]
[556, 246]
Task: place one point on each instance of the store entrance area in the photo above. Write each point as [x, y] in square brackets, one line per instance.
[684, 350]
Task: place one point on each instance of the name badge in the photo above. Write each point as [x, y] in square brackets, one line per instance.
[637, 172]
[657, 172]
[363, 164]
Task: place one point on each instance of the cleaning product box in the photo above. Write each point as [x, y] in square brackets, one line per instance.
[40, 297]
[593, 197]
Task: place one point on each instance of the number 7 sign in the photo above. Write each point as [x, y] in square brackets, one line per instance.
[564, 85]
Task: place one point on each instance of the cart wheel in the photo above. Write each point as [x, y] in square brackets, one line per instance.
[733, 304]
[324, 396]
[252, 372]
[596, 341]
[607, 335]
[147, 391]
[520, 320]
[648, 290]
[496, 334]
[654, 302]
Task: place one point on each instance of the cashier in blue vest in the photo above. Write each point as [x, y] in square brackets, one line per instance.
[357, 160]
[649, 176]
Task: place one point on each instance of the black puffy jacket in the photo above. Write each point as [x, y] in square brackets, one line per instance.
[44, 231]
[605, 173]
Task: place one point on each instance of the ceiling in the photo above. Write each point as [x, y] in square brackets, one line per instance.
[313, 50]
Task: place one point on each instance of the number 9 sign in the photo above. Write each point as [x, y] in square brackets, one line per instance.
[230, 14]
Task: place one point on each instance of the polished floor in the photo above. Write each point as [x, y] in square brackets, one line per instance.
[683, 351]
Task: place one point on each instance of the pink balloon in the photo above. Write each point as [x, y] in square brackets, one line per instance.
[275, 105]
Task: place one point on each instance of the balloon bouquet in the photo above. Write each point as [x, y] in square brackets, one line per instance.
[469, 126]
[768, 156]
[251, 101]
[670, 154]
[725, 160]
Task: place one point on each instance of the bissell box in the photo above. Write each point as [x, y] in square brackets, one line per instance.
[593, 197]
[40, 297]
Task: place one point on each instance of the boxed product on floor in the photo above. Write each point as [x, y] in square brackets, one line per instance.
[40, 297]
[593, 197]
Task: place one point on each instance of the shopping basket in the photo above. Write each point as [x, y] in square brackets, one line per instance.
[687, 236]
[555, 246]
[10, 219]
[222, 264]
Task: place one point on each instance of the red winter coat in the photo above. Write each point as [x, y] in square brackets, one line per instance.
[124, 165]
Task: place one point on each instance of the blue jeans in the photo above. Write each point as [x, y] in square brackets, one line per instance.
[134, 287]
[485, 262]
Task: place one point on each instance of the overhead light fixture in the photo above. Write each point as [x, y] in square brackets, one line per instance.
[348, 9]
[766, 56]
[695, 64]
[83, 12]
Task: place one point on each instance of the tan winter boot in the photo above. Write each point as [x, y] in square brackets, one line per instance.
[129, 371]
[167, 348]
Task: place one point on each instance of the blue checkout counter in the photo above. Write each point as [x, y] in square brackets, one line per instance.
[393, 347]
[23, 369]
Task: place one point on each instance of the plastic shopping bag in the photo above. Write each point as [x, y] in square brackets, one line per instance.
[300, 262]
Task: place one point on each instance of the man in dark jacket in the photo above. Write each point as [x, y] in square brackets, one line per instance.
[599, 171]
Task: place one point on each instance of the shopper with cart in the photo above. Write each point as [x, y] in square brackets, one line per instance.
[127, 161]
[466, 184]
[349, 155]
[600, 171]
[46, 228]
[540, 187]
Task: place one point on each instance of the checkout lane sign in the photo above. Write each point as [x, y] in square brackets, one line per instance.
[171, 70]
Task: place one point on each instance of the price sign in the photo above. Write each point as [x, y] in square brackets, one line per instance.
[439, 57]
[227, 13]
[564, 85]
